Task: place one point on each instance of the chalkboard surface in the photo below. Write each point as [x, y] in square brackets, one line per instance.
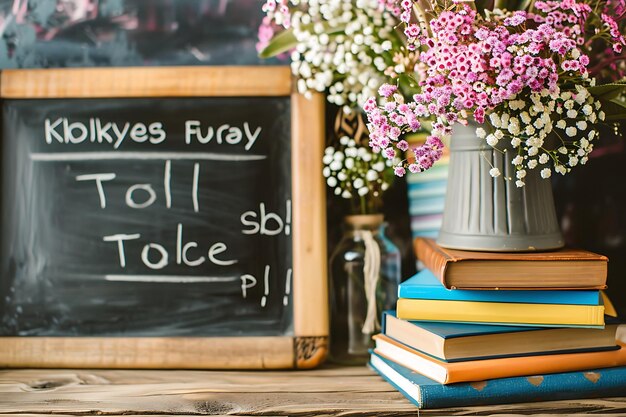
[146, 217]
[160, 217]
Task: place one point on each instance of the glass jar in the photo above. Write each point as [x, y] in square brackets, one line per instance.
[364, 279]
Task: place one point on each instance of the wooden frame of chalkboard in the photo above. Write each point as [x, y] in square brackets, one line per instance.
[306, 345]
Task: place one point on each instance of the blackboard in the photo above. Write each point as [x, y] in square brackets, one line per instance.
[151, 217]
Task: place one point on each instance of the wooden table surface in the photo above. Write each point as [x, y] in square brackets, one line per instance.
[355, 391]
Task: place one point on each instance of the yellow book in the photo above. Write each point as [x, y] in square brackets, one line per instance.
[501, 313]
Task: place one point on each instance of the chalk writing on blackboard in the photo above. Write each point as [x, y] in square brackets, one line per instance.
[148, 198]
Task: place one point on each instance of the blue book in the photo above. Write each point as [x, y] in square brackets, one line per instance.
[424, 285]
[426, 393]
[454, 342]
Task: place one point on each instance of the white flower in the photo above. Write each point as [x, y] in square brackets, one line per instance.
[346, 194]
[342, 176]
[519, 183]
[563, 150]
[326, 172]
[514, 128]
[371, 175]
[546, 173]
[495, 120]
[560, 169]
[544, 158]
[358, 183]
[520, 174]
[335, 165]
[379, 166]
[571, 131]
[582, 125]
[517, 160]
[533, 150]
[561, 124]
[587, 109]
[480, 133]
[572, 114]
[331, 181]
[601, 115]
[573, 161]
[349, 163]
[386, 45]
[515, 142]
[498, 134]
[532, 164]
[492, 140]
[494, 172]
[363, 191]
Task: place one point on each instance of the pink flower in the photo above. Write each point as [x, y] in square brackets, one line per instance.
[387, 90]
[399, 171]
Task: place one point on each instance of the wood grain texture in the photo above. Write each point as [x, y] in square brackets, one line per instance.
[310, 289]
[147, 352]
[146, 82]
[328, 391]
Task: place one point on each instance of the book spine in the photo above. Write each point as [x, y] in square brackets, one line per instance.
[433, 259]
[566, 386]
[492, 313]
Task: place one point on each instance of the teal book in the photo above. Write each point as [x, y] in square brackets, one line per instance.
[426, 393]
[452, 341]
[424, 285]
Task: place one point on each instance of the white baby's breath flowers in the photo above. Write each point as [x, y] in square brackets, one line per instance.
[342, 47]
[566, 119]
[355, 173]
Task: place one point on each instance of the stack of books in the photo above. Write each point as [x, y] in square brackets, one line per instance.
[478, 328]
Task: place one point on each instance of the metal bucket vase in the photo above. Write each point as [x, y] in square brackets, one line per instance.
[483, 213]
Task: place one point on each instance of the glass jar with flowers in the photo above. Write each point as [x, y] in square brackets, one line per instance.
[365, 265]
[340, 48]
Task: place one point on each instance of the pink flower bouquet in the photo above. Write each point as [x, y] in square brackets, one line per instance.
[528, 79]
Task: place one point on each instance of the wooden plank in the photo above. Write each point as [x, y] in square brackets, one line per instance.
[328, 391]
[309, 236]
[147, 352]
[146, 82]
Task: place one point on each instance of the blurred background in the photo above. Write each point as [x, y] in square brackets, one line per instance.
[591, 201]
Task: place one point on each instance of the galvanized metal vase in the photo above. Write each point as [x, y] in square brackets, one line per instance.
[483, 213]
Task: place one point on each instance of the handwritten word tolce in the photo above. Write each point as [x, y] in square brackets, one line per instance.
[158, 255]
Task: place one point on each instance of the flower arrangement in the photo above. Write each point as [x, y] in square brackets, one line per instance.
[340, 48]
[527, 77]
[526, 73]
